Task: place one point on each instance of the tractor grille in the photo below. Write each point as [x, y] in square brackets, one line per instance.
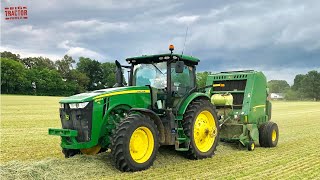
[78, 119]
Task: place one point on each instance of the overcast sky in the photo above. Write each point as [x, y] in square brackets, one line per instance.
[279, 37]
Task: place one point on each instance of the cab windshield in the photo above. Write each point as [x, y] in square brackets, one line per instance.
[154, 74]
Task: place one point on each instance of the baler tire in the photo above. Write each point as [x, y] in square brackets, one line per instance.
[272, 134]
[262, 135]
[123, 149]
[251, 146]
[70, 152]
[194, 109]
[269, 134]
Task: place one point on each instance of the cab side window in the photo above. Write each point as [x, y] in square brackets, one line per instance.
[181, 83]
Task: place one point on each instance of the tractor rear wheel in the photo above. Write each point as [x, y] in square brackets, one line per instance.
[201, 126]
[135, 143]
[269, 135]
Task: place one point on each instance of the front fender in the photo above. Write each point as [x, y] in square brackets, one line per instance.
[183, 107]
[156, 120]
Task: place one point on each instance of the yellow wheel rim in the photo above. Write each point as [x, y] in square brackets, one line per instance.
[252, 146]
[91, 151]
[141, 144]
[205, 131]
[274, 135]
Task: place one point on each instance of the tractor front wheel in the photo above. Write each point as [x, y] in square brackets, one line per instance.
[135, 143]
[201, 126]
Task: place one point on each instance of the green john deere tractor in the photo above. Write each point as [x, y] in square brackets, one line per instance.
[161, 106]
[243, 108]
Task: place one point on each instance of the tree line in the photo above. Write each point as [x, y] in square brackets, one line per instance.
[305, 87]
[64, 77]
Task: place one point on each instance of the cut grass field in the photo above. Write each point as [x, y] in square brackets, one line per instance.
[27, 152]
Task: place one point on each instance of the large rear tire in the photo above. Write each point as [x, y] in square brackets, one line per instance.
[135, 143]
[201, 126]
[268, 135]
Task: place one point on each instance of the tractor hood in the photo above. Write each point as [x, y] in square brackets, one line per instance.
[101, 93]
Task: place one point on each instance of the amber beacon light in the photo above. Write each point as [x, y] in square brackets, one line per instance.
[171, 47]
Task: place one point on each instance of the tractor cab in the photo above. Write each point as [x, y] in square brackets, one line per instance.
[170, 76]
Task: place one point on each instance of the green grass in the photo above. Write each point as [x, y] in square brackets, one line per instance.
[27, 152]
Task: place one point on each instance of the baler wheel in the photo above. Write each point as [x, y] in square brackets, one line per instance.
[251, 146]
[135, 143]
[201, 126]
[262, 135]
[269, 135]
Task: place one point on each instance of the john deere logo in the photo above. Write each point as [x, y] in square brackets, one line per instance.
[67, 117]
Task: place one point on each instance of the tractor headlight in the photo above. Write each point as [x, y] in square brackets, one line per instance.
[61, 105]
[78, 105]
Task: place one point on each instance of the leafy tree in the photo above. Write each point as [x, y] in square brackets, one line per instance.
[49, 82]
[108, 71]
[93, 70]
[10, 55]
[81, 80]
[202, 78]
[292, 95]
[38, 62]
[64, 66]
[13, 78]
[278, 86]
[310, 85]
[297, 82]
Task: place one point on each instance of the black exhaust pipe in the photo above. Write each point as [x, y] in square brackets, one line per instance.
[119, 75]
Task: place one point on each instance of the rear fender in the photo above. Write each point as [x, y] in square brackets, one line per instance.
[194, 96]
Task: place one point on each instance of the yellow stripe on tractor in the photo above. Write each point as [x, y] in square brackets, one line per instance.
[259, 106]
[122, 92]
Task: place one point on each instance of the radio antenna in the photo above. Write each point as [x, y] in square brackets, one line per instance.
[185, 39]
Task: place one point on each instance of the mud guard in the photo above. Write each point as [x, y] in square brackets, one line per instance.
[155, 118]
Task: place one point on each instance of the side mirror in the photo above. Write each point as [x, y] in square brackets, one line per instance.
[179, 66]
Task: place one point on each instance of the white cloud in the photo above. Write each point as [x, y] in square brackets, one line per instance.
[180, 19]
[64, 44]
[94, 26]
[186, 19]
[308, 37]
[76, 52]
[79, 51]
[24, 53]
